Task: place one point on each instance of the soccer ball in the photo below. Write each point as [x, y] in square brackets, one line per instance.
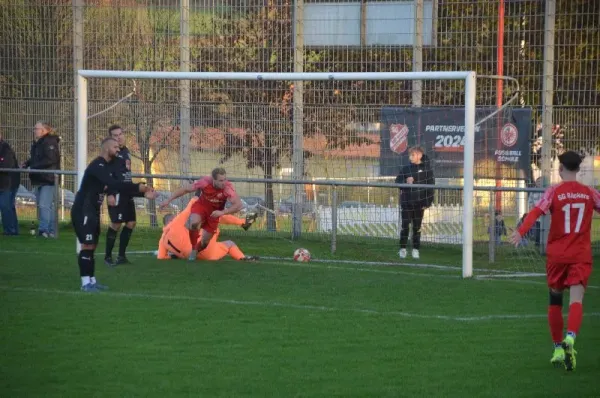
[301, 255]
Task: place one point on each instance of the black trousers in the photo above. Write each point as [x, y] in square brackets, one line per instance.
[414, 217]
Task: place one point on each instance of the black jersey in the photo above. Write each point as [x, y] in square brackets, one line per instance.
[123, 164]
[99, 179]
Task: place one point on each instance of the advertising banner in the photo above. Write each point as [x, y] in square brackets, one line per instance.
[502, 143]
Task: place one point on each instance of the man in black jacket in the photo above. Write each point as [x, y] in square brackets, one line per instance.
[45, 155]
[9, 185]
[414, 201]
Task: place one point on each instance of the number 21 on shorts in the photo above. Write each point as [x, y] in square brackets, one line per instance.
[567, 210]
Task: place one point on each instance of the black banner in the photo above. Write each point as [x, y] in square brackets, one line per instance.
[502, 143]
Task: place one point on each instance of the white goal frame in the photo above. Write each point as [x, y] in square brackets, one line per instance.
[470, 79]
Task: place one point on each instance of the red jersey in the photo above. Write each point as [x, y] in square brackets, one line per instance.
[571, 205]
[212, 197]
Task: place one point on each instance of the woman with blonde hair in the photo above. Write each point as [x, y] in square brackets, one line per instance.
[44, 155]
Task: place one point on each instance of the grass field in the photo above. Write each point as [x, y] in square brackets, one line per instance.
[277, 328]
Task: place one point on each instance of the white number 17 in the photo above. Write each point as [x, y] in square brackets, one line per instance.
[567, 210]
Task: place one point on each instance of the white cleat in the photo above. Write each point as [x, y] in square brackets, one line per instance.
[402, 253]
[193, 255]
[415, 253]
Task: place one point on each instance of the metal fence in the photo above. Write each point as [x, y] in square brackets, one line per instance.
[185, 128]
[555, 60]
[349, 213]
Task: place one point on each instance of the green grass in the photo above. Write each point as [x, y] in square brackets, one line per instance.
[276, 328]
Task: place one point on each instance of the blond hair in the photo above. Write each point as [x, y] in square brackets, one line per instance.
[219, 171]
[47, 126]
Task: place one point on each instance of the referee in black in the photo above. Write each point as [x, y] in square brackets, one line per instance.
[124, 210]
[98, 180]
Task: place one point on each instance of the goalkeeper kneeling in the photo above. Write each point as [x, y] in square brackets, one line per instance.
[175, 241]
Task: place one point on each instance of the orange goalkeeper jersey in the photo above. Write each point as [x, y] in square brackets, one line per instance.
[176, 237]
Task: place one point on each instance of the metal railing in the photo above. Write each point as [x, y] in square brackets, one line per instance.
[334, 196]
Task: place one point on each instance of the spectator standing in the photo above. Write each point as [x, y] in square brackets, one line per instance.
[414, 201]
[44, 155]
[9, 185]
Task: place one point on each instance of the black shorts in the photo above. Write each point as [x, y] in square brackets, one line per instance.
[87, 227]
[123, 212]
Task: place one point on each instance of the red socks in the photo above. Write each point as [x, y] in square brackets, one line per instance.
[194, 235]
[556, 323]
[575, 317]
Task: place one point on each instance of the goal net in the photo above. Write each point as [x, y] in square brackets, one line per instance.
[316, 155]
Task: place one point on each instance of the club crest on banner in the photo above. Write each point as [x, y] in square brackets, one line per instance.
[398, 138]
[509, 135]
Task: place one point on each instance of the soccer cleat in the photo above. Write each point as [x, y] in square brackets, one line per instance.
[250, 258]
[122, 260]
[89, 288]
[250, 218]
[558, 357]
[193, 255]
[415, 253]
[567, 345]
[98, 286]
[109, 261]
[402, 253]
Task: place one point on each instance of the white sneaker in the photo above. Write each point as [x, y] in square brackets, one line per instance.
[415, 253]
[402, 253]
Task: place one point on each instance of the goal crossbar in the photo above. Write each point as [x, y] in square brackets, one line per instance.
[470, 79]
[297, 76]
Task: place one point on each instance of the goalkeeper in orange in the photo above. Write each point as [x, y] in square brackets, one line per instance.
[175, 240]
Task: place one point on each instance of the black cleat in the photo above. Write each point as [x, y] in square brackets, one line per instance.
[109, 261]
[250, 258]
[250, 218]
[122, 260]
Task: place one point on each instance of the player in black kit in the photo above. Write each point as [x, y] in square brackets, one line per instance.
[98, 180]
[124, 210]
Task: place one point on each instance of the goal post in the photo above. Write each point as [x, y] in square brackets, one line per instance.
[469, 79]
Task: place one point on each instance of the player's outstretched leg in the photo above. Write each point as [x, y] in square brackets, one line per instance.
[556, 324]
[573, 325]
[250, 218]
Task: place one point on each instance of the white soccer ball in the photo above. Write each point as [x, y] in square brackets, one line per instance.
[301, 255]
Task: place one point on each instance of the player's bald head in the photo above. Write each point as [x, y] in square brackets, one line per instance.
[107, 143]
[168, 218]
[110, 148]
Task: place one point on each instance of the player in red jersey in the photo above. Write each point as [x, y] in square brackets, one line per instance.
[215, 192]
[569, 252]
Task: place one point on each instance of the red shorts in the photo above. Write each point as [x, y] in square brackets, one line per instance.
[561, 276]
[207, 223]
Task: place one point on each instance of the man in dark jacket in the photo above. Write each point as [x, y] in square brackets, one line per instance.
[414, 201]
[45, 155]
[9, 185]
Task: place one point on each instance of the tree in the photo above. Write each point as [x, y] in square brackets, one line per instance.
[35, 49]
[153, 130]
